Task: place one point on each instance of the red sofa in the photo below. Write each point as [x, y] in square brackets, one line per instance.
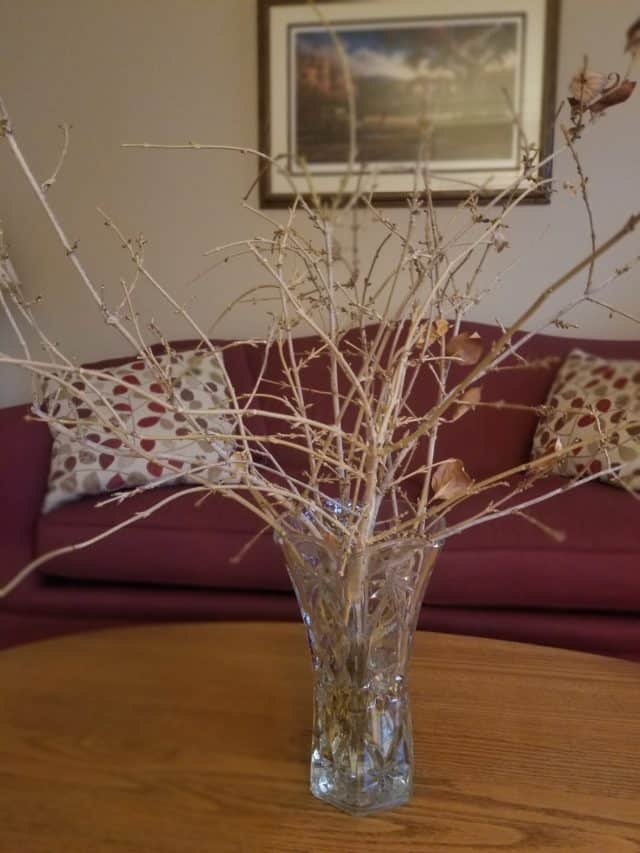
[504, 579]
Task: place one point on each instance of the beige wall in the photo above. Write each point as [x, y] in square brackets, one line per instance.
[170, 70]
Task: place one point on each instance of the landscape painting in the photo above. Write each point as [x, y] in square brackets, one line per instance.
[449, 86]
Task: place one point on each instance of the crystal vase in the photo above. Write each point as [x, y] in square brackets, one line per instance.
[360, 611]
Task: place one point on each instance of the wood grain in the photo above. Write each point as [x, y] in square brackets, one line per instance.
[193, 738]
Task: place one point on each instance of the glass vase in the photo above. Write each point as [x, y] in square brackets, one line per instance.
[360, 611]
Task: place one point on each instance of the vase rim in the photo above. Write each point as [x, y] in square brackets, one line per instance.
[293, 522]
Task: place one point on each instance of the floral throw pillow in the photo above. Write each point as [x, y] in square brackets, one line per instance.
[116, 438]
[595, 401]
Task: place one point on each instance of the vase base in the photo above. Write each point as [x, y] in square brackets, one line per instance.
[391, 793]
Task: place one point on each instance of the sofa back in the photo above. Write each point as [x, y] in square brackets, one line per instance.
[278, 397]
[489, 440]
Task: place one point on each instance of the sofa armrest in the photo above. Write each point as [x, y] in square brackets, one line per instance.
[25, 450]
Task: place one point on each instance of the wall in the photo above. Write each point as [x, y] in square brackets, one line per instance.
[172, 70]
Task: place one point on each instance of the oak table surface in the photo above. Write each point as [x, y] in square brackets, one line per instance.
[195, 738]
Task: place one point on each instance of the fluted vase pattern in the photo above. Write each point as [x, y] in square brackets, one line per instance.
[360, 611]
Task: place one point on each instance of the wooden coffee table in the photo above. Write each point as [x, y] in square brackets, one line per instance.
[195, 738]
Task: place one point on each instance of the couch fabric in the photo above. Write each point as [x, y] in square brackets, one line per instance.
[502, 579]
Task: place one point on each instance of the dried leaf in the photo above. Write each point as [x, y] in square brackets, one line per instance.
[500, 242]
[442, 326]
[450, 480]
[236, 467]
[618, 95]
[633, 39]
[432, 332]
[465, 347]
[585, 86]
[546, 463]
[467, 402]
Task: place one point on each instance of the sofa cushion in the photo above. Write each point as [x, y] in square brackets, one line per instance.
[187, 542]
[506, 563]
[511, 563]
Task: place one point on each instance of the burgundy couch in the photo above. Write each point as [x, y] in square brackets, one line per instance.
[504, 579]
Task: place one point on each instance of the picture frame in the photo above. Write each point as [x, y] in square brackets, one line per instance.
[447, 76]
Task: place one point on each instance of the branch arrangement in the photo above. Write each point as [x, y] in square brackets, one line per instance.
[382, 333]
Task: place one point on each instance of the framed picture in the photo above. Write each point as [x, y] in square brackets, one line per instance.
[355, 89]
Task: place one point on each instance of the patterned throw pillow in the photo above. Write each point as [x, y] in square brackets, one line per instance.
[94, 457]
[596, 401]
